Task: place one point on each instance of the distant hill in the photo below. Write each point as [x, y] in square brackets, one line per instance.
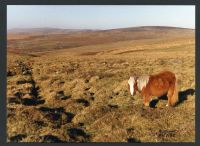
[47, 30]
[43, 31]
[42, 39]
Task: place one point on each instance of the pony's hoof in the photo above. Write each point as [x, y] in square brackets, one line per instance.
[146, 104]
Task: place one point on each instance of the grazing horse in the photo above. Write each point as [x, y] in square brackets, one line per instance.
[155, 85]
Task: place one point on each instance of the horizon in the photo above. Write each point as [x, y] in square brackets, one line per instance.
[97, 29]
[98, 17]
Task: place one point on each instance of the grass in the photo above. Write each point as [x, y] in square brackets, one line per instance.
[81, 94]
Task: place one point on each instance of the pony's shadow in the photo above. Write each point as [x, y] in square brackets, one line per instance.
[153, 103]
[182, 95]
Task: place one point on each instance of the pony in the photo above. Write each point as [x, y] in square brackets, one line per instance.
[155, 85]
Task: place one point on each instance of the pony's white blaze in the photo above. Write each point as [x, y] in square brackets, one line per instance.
[131, 83]
[131, 89]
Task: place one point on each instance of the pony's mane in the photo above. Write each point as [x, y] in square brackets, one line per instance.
[142, 81]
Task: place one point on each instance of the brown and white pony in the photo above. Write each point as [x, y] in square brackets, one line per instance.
[155, 85]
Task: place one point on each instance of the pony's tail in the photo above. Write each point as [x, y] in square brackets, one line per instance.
[175, 98]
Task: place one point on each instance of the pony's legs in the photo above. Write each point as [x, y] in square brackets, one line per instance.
[147, 99]
[170, 95]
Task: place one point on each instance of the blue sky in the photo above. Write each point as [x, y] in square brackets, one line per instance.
[98, 17]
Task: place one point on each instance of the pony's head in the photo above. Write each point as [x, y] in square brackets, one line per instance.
[132, 83]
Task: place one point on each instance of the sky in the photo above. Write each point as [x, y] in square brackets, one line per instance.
[99, 16]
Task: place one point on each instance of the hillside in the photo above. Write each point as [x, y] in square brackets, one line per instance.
[41, 40]
[73, 87]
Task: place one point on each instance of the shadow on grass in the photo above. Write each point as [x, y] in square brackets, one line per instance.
[25, 101]
[17, 138]
[133, 140]
[47, 109]
[153, 103]
[56, 114]
[51, 139]
[74, 133]
[83, 101]
[31, 102]
[61, 95]
[184, 94]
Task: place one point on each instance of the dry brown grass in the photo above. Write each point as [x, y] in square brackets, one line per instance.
[79, 95]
